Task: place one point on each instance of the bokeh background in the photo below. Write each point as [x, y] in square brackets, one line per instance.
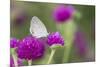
[83, 49]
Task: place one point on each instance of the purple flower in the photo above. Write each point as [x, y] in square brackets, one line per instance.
[19, 61]
[55, 39]
[20, 18]
[30, 48]
[13, 42]
[63, 13]
[80, 43]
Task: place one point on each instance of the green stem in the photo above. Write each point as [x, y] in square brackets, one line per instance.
[68, 31]
[51, 56]
[15, 60]
[67, 53]
[29, 62]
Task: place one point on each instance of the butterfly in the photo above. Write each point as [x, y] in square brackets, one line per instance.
[37, 28]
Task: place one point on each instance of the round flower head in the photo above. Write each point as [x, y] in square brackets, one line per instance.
[30, 48]
[20, 18]
[63, 13]
[13, 42]
[55, 39]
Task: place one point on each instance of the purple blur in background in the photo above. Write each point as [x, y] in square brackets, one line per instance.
[80, 43]
[63, 13]
[20, 18]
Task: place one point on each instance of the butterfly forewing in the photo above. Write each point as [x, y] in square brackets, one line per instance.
[37, 28]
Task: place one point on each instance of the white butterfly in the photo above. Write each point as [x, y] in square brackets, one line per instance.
[37, 28]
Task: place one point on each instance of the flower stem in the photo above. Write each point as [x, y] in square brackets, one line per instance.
[15, 60]
[67, 53]
[68, 30]
[29, 62]
[51, 56]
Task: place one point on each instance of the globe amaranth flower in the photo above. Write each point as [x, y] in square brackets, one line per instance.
[55, 38]
[18, 15]
[30, 48]
[19, 61]
[13, 42]
[20, 18]
[80, 42]
[63, 13]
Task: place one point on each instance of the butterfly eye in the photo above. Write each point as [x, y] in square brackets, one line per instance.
[32, 32]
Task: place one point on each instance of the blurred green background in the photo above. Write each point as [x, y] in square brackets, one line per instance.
[22, 12]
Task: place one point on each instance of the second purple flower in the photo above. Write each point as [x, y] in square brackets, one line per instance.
[55, 38]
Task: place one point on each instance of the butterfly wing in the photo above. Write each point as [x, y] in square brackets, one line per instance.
[37, 28]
